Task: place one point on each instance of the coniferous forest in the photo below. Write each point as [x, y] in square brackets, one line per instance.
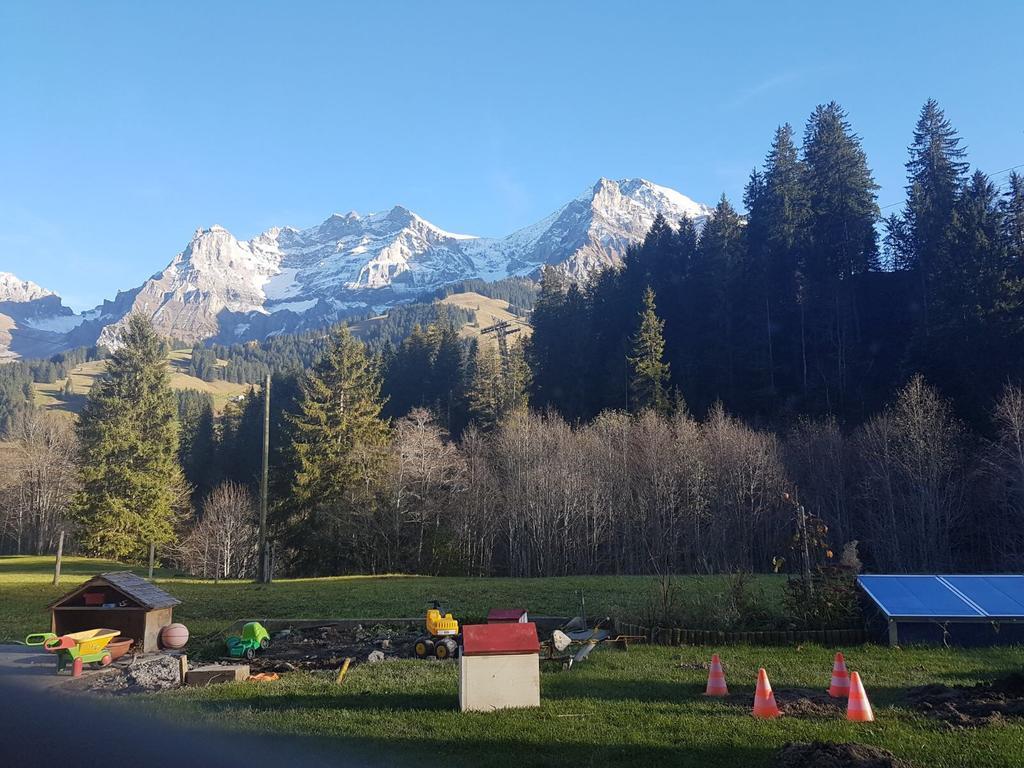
[800, 349]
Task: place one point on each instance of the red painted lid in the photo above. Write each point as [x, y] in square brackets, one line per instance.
[495, 639]
[505, 614]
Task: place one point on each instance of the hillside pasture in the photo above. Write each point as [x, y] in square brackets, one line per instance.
[487, 311]
[50, 396]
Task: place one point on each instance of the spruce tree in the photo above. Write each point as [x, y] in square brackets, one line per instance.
[650, 371]
[197, 445]
[936, 172]
[558, 350]
[338, 455]
[487, 388]
[711, 301]
[838, 245]
[1013, 217]
[446, 371]
[132, 484]
[971, 345]
[517, 379]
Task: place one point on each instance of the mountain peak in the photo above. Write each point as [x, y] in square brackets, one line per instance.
[287, 279]
[13, 288]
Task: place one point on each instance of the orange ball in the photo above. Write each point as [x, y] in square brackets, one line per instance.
[174, 636]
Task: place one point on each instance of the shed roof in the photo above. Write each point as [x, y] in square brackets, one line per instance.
[145, 593]
[499, 639]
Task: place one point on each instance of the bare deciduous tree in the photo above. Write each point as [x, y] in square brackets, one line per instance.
[223, 543]
[39, 481]
[912, 481]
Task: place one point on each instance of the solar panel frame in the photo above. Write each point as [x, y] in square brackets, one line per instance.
[953, 597]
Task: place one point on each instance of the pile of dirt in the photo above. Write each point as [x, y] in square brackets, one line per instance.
[134, 674]
[327, 646]
[805, 702]
[824, 754]
[973, 707]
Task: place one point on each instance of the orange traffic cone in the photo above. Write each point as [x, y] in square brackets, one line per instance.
[764, 699]
[716, 679]
[840, 686]
[858, 708]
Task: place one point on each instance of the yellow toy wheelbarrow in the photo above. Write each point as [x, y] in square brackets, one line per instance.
[78, 648]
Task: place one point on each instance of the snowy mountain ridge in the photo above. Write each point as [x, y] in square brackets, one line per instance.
[288, 279]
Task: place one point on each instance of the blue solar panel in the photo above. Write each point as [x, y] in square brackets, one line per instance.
[916, 596]
[995, 595]
[947, 596]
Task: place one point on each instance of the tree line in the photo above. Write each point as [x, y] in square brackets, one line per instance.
[798, 306]
[674, 415]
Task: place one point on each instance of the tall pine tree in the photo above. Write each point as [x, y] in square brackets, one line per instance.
[936, 172]
[132, 484]
[711, 309]
[650, 371]
[338, 457]
[838, 245]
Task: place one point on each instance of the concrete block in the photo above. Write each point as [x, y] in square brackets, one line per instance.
[217, 673]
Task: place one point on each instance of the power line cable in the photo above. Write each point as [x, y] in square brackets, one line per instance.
[991, 177]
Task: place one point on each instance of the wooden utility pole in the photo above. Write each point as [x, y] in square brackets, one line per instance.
[152, 557]
[60, 555]
[264, 562]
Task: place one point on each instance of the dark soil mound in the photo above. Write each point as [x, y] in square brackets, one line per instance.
[824, 754]
[327, 646]
[804, 702]
[974, 707]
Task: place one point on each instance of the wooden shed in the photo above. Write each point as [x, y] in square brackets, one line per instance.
[119, 600]
[499, 667]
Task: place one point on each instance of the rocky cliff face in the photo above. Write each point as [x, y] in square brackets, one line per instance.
[288, 279]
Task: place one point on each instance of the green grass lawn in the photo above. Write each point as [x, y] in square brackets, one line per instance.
[206, 607]
[641, 707]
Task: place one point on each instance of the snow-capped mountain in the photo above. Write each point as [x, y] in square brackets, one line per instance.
[288, 279]
[33, 320]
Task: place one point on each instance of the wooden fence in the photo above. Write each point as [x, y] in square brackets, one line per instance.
[678, 636]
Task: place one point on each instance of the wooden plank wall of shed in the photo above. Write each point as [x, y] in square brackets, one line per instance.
[156, 619]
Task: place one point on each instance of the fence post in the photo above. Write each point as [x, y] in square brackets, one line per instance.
[60, 556]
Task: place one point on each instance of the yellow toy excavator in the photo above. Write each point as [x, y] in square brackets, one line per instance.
[441, 636]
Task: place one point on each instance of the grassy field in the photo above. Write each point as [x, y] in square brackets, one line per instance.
[207, 607]
[641, 707]
[487, 311]
[51, 396]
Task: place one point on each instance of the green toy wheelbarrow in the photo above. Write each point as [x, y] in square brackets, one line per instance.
[76, 648]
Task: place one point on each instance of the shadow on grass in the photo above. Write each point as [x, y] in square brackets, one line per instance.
[426, 702]
[520, 754]
[503, 747]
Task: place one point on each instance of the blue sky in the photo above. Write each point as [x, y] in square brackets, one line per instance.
[124, 126]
